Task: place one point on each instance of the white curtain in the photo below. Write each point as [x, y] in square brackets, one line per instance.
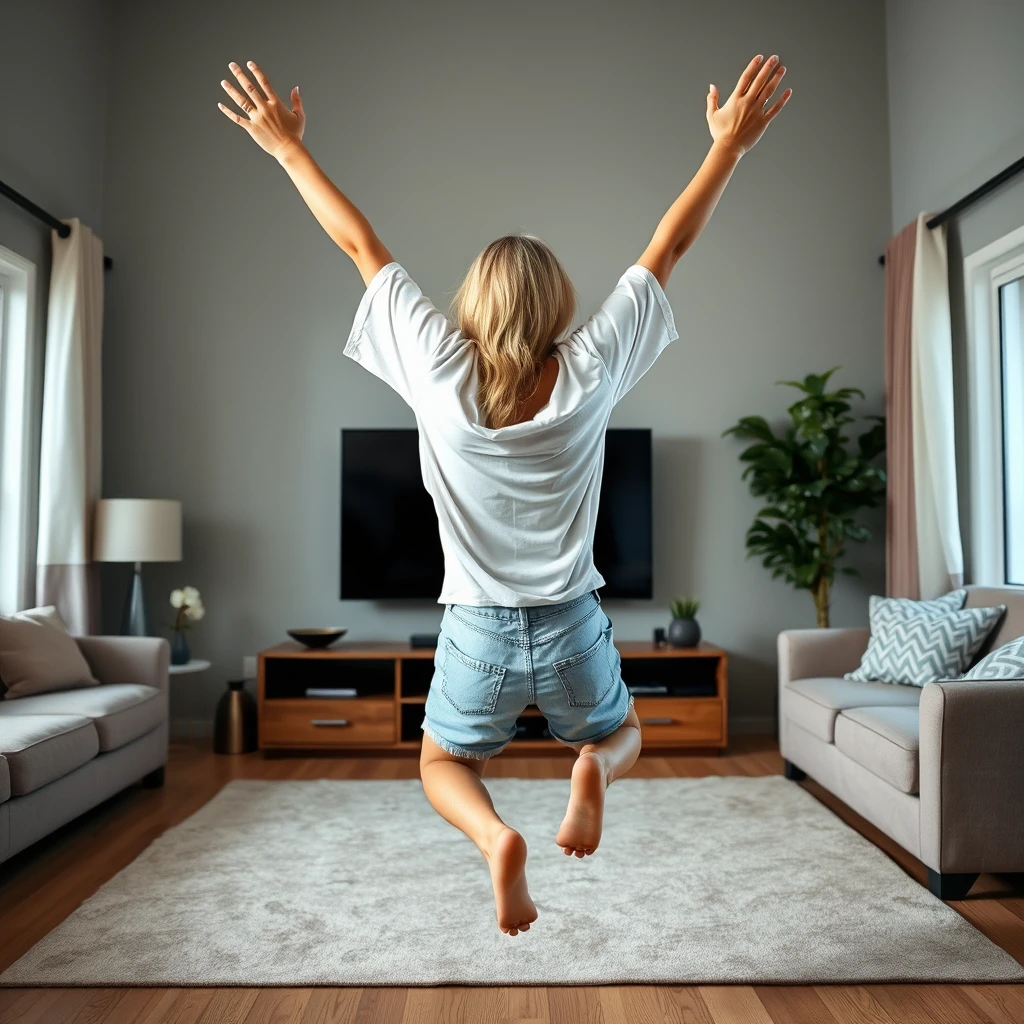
[69, 458]
[940, 557]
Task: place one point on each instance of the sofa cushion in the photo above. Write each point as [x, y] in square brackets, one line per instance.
[41, 748]
[37, 655]
[5, 780]
[814, 703]
[121, 712]
[885, 741]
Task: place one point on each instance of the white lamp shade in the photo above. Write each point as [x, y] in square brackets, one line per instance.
[137, 530]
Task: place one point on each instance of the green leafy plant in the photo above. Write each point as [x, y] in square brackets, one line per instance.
[684, 608]
[814, 483]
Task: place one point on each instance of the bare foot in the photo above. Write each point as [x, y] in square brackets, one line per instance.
[507, 860]
[580, 831]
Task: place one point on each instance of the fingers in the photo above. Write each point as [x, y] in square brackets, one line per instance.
[297, 107]
[768, 68]
[240, 76]
[712, 100]
[262, 79]
[231, 115]
[243, 102]
[773, 83]
[748, 76]
[776, 107]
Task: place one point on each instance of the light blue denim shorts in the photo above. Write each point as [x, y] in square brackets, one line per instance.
[492, 663]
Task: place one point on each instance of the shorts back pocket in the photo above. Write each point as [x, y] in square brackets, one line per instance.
[470, 686]
[587, 677]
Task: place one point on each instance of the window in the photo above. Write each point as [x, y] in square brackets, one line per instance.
[994, 283]
[17, 480]
[1011, 330]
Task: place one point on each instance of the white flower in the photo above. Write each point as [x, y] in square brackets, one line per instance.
[177, 598]
[191, 596]
[196, 611]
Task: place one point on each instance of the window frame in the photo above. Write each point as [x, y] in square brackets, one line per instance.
[985, 272]
[17, 372]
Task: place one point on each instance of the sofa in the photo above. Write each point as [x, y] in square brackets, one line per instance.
[939, 769]
[62, 753]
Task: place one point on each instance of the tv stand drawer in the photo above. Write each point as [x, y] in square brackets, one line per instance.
[328, 723]
[680, 720]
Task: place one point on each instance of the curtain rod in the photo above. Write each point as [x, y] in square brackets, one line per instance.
[972, 197]
[40, 214]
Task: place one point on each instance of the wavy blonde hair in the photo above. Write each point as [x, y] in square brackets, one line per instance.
[514, 304]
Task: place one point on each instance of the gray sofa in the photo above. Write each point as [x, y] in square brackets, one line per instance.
[938, 769]
[62, 753]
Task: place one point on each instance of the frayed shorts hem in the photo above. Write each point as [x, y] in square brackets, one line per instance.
[456, 751]
[603, 735]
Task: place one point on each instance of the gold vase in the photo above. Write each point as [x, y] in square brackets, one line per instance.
[234, 724]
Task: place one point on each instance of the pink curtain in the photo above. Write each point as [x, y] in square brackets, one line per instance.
[902, 578]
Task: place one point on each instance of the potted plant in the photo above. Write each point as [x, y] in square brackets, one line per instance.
[814, 484]
[684, 630]
[188, 605]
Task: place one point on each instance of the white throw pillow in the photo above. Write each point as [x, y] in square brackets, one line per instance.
[37, 655]
[883, 612]
[1006, 662]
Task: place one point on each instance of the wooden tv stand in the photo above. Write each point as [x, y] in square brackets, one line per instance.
[688, 708]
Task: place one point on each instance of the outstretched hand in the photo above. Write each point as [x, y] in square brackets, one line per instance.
[745, 115]
[264, 116]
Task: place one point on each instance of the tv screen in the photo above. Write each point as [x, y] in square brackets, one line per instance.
[389, 541]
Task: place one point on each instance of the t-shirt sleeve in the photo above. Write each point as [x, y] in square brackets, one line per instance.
[398, 334]
[630, 330]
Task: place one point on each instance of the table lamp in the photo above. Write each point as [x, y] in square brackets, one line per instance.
[136, 530]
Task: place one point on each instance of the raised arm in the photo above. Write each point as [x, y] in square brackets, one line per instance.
[278, 131]
[735, 127]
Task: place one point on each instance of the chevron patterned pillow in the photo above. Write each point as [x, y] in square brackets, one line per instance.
[922, 649]
[883, 612]
[1006, 662]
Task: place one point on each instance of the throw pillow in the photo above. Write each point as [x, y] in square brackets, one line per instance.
[920, 649]
[883, 612]
[1006, 662]
[37, 655]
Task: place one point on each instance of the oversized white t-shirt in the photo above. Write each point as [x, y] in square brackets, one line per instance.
[517, 505]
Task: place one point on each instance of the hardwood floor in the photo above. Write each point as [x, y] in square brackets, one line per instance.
[40, 887]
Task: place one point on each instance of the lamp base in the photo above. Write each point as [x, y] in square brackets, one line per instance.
[134, 621]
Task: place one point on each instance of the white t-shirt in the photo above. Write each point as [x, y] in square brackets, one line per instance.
[516, 505]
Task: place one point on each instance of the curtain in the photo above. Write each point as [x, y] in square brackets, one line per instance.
[924, 555]
[901, 575]
[69, 458]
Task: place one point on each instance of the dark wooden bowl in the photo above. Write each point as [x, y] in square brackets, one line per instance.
[322, 636]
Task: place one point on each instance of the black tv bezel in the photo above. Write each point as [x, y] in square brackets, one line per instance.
[646, 596]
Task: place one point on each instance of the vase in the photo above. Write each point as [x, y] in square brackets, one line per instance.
[234, 723]
[684, 633]
[180, 654]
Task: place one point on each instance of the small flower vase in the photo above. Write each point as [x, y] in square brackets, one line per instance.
[683, 633]
[180, 654]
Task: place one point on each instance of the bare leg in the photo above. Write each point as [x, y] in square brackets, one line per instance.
[455, 789]
[598, 765]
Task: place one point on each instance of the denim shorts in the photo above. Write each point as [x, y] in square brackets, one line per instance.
[492, 663]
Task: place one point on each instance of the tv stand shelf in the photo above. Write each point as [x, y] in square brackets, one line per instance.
[681, 697]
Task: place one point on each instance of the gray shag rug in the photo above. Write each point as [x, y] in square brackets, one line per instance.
[360, 883]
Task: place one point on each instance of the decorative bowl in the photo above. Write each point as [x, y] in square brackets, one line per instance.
[322, 636]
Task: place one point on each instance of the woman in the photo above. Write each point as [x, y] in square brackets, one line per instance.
[512, 413]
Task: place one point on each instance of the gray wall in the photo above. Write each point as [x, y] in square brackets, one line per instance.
[53, 108]
[956, 113]
[450, 124]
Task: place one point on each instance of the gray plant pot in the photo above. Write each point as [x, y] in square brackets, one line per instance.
[684, 633]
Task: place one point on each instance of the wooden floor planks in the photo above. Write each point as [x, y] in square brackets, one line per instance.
[40, 887]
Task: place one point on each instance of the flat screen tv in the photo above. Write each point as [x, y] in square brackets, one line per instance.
[389, 541]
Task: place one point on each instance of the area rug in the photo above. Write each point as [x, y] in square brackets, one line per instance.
[359, 883]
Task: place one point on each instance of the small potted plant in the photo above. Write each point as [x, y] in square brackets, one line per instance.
[684, 630]
[189, 608]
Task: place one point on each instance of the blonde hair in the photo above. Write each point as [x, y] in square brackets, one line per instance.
[514, 304]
